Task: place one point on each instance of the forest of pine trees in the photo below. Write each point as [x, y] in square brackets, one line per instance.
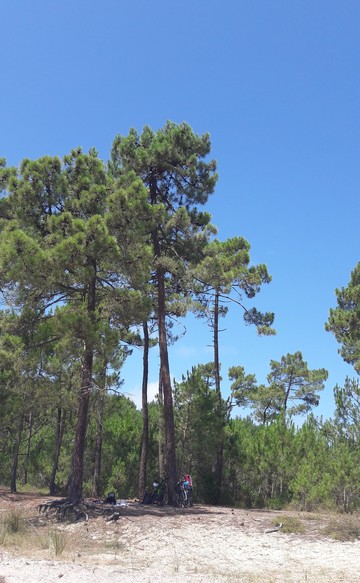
[96, 258]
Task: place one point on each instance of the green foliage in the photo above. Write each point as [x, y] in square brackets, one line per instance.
[344, 320]
[347, 412]
[121, 447]
[292, 379]
[196, 406]
[290, 524]
[292, 388]
[311, 486]
[224, 272]
[244, 386]
[345, 476]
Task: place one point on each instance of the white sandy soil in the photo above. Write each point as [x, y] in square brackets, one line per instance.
[201, 544]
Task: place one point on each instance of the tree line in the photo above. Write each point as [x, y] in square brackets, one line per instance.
[96, 258]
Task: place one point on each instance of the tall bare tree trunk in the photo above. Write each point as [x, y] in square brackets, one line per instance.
[99, 430]
[162, 436]
[77, 466]
[220, 413]
[16, 452]
[98, 444]
[27, 450]
[145, 417]
[167, 392]
[165, 380]
[59, 433]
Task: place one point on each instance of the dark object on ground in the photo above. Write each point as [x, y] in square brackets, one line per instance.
[147, 498]
[114, 517]
[111, 498]
[274, 529]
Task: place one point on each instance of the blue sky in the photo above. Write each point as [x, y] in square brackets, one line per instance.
[276, 84]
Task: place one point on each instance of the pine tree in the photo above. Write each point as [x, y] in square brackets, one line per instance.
[344, 320]
[171, 166]
[224, 276]
[61, 254]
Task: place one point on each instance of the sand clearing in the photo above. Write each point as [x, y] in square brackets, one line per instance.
[201, 544]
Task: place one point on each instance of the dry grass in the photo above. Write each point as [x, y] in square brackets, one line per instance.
[290, 524]
[343, 528]
[12, 527]
[57, 542]
[21, 529]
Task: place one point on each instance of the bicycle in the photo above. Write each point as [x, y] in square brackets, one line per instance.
[159, 492]
[183, 494]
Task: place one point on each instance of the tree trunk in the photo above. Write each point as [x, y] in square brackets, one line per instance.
[145, 417]
[287, 394]
[162, 439]
[27, 450]
[16, 452]
[60, 428]
[165, 381]
[216, 348]
[77, 466]
[220, 447]
[99, 430]
[167, 392]
[98, 444]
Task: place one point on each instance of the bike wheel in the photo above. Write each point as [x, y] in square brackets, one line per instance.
[182, 499]
[186, 500]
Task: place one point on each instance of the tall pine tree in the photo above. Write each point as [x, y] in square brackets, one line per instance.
[171, 166]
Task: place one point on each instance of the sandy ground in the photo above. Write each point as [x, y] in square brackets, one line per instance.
[200, 544]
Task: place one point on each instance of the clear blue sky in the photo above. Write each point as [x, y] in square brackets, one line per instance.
[276, 84]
